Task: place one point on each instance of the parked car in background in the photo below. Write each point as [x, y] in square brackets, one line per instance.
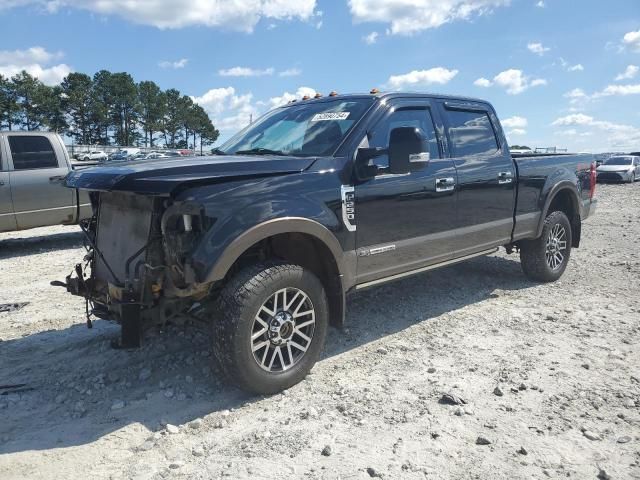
[620, 168]
[155, 155]
[94, 155]
[117, 156]
[33, 166]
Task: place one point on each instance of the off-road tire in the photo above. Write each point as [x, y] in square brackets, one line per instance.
[533, 252]
[237, 306]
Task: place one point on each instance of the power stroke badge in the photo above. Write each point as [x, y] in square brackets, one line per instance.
[348, 207]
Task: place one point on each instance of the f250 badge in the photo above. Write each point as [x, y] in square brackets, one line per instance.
[348, 207]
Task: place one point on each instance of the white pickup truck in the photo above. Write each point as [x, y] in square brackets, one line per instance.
[33, 166]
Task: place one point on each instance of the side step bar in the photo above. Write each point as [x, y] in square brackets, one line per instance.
[398, 276]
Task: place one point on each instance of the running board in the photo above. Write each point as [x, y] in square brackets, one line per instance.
[398, 276]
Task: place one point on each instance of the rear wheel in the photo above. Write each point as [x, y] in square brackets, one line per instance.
[545, 258]
[272, 325]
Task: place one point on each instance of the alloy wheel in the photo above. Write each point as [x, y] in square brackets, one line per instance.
[283, 330]
[556, 247]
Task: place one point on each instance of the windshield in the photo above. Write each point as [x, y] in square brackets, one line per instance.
[618, 161]
[310, 129]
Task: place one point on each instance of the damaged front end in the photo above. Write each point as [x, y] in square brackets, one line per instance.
[136, 270]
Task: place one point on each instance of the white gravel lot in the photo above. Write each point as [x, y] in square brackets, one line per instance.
[550, 375]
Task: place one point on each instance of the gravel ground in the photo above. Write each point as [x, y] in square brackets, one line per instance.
[465, 372]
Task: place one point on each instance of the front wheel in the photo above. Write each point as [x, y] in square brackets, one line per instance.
[271, 328]
[545, 258]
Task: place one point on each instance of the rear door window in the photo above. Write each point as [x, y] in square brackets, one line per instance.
[31, 152]
[471, 133]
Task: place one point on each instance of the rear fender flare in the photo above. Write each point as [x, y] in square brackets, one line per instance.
[565, 185]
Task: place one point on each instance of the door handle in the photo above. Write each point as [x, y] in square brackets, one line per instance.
[1, 183]
[445, 184]
[57, 178]
[505, 177]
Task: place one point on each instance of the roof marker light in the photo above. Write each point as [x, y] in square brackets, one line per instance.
[306, 97]
[317, 95]
[333, 93]
[374, 91]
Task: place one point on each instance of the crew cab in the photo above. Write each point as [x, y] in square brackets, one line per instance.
[315, 200]
[33, 166]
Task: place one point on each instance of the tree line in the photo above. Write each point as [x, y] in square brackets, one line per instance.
[106, 109]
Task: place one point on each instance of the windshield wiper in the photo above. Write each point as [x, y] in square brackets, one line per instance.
[260, 151]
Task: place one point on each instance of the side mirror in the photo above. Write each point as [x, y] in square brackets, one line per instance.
[407, 146]
[364, 168]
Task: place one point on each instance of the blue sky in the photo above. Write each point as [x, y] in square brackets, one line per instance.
[560, 73]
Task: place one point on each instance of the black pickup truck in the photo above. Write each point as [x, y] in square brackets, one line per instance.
[317, 199]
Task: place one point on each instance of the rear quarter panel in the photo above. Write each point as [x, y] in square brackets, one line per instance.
[540, 178]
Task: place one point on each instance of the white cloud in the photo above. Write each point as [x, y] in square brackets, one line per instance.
[483, 82]
[371, 38]
[577, 95]
[540, 4]
[29, 56]
[622, 90]
[286, 97]
[290, 72]
[437, 75]
[515, 81]
[175, 64]
[632, 40]
[515, 122]
[245, 72]
[407, 17]
[617, 135]
[516, 125]
[570, 68]
[34, 61]
[516, 132]
[229, 112]
[537, 48]
[570, 132]
[630, 72]
[47, 75]
[242, 15]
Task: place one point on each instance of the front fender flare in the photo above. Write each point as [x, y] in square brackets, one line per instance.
[268, 229]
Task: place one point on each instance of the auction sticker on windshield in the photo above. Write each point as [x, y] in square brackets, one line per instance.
[318, 117]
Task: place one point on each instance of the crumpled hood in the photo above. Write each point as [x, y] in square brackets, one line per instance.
[614, 168]
[161, 177]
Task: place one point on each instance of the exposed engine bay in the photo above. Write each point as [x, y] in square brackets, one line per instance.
[136, 271]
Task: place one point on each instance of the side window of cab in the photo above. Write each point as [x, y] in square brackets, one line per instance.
[471, 133]
[409, 116]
